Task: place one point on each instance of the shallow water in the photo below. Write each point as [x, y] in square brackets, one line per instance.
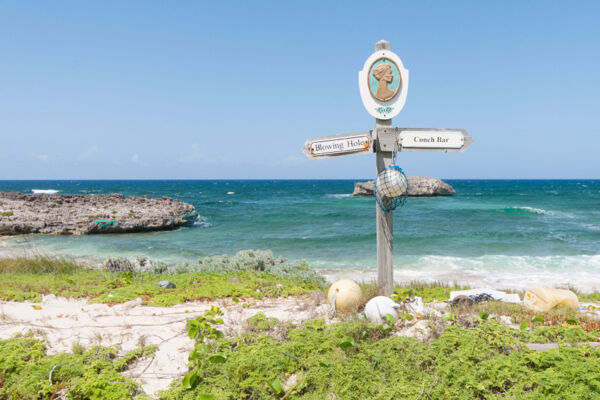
[506, 231]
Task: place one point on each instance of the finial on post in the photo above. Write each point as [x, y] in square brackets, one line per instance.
[383, 45]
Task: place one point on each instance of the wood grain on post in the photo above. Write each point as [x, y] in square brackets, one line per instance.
[385, 222]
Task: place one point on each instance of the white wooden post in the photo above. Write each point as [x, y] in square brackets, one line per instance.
[385, 222]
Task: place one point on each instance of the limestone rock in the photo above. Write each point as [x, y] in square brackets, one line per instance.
[78, 214]
[417, 186]
[166, 284]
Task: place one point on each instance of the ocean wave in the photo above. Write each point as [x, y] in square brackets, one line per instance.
[202, 222]
[338, 195]
[495, 271]
[45, 191]
[527, 210]
[590, 227]
[515, 272]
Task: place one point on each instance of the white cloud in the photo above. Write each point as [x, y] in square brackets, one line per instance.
[40, 157]
[293, 159]
[89, 154]
[197, 156]
[135, 158]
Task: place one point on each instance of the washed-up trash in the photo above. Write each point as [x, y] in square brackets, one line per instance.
[166, 284]
[344, 296]
[379, 306]
[414, 305]
[544, 299]
[479, 295]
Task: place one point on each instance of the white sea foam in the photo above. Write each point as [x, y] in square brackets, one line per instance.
[533, 210]
[339, 195]
[44, 191]
[495, 271]
[202, 222]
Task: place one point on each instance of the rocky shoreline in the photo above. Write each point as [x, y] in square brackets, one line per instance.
[89, 214]
[417, 186]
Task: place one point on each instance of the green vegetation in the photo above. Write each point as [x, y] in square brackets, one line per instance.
[356, 360]
[439, 291]
[6, 214]
[259, 322]
[246, 275]
[470, 354]
[27, 372]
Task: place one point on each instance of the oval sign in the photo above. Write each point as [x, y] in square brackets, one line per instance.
[383, 83]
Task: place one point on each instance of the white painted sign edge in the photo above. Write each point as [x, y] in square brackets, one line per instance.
[372, 104]
[467, 139]
[306, 149]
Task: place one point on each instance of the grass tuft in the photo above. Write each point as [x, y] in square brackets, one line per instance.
[39, 265]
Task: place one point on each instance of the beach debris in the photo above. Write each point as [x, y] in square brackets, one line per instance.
[344, 296]
[480, 295]
[543, 299]
[166, 284]
[380, 306]
[414, 305]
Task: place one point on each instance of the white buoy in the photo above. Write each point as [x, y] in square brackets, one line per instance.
[344, 296]
[378, 307]
[392, 183]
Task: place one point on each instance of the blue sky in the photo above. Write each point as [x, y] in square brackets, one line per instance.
[200, 90]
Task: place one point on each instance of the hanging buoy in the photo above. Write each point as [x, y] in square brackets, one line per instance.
[344, 296]
[391, 188]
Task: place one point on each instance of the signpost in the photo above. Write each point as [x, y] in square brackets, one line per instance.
[338, 145]
[444, 140]
[383, 84]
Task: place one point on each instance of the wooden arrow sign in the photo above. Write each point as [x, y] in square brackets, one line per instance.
[338, 145]
[440, 140]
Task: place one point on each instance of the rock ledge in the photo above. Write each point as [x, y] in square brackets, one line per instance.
[78, 214]
[417, 186]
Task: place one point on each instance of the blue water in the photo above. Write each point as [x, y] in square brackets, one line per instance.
[491, 231]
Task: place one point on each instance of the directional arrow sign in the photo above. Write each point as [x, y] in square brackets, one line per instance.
[338, 145]
[440, 140]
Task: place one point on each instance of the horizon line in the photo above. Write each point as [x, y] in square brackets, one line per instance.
[284, 179]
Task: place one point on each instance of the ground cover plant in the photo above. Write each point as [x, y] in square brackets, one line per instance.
[469, 356]
[357, 360]
[27, 372]
[247, 275]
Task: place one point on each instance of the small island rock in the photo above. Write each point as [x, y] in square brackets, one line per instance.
[417, 186]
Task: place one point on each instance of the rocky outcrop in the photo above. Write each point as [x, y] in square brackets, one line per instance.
[77, 214]
[417, 186]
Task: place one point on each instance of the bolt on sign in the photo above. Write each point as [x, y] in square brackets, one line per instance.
[383, 85]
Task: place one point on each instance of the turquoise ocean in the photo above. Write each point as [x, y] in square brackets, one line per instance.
[500, 233]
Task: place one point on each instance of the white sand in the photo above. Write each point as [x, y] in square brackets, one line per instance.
[61, 322]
